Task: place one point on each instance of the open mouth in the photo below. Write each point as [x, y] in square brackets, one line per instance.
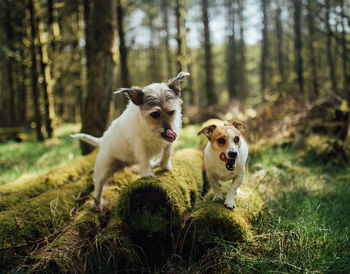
[169, 135]
[230, 163]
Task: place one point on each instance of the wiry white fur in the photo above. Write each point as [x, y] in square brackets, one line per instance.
[217, 172]
[129, 139]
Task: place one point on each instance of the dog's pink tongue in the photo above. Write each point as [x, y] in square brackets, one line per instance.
[171, 135]
[223, 157]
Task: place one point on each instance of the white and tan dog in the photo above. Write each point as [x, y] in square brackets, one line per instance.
[147, 128]
[225, 158]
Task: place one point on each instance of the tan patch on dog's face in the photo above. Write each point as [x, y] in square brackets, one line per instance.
[160, 106]
[220, 138]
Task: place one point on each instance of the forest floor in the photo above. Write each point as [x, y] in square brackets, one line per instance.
[304, 228]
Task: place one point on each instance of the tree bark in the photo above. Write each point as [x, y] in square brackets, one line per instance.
[10, 60]
[280, 53]
[329, 50]
[298, 44]
[311, 39]
[31, 29]
[264, 49]
[231, 52]
[165, 12]
[100, 69]
[242, 92]
[181, 36]
[47, 84]
[209, 80]
[122, 46]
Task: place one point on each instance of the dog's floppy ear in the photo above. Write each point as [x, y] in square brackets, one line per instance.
[239, 125]
[175, 83]
[135, 94]
[207, 131]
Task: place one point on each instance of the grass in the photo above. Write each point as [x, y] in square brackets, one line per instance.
[306, 227]
[18, 158]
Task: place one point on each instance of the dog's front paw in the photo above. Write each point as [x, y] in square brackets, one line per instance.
[148, 174]
[96, 206]
[166, 166]
[217, 196]
[230, 203]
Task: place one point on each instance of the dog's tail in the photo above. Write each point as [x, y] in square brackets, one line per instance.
[87, 138]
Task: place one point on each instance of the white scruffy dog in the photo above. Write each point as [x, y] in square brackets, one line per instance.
[225, 158]
[148, 127]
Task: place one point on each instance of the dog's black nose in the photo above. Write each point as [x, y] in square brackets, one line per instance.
[232, 154]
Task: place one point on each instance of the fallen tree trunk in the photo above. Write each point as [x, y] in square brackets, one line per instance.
[154, 204]
[29, 187]
[212, 221]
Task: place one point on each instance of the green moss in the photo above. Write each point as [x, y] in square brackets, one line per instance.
[152, 204]
[42, 215]
[211, 221]
[29, 187]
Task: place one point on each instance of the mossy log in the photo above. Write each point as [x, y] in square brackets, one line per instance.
[36, 206]
[212, 221]
[31, 186]
[154, 204]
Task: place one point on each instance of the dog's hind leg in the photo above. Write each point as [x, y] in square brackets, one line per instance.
[102, 171]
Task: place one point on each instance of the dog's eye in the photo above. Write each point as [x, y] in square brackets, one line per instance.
[236, 139]
[171, 112]
[221, 141]
[155, 115]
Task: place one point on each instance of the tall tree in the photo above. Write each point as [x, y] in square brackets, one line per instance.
[345, 55]
[329, 49]
[231, 51]
[10, 61]
[280, 52]
[298, 44]
[181, 36]
[100, 69]
[311, 40]
[123, 51]
[242, 53]
[166, 40]
[264, 47]
[31, 30]
[209, 81]
[47, 84]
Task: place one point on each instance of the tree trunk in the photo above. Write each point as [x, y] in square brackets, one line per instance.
[165, 12]
[242, 92]
[10, 60]
[100, 69]
[298, 44]
[47, 84]
[231, 52]
[125, 82]
[22, 111]
[123, 51]
[280, 53]
[311, 27]
[264, 49]
[209, 81]
[329, 50]
[153, 67]
[181, 36]
[344, 50]
[31, 29]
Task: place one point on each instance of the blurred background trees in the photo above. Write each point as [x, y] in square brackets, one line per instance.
[60, 60]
